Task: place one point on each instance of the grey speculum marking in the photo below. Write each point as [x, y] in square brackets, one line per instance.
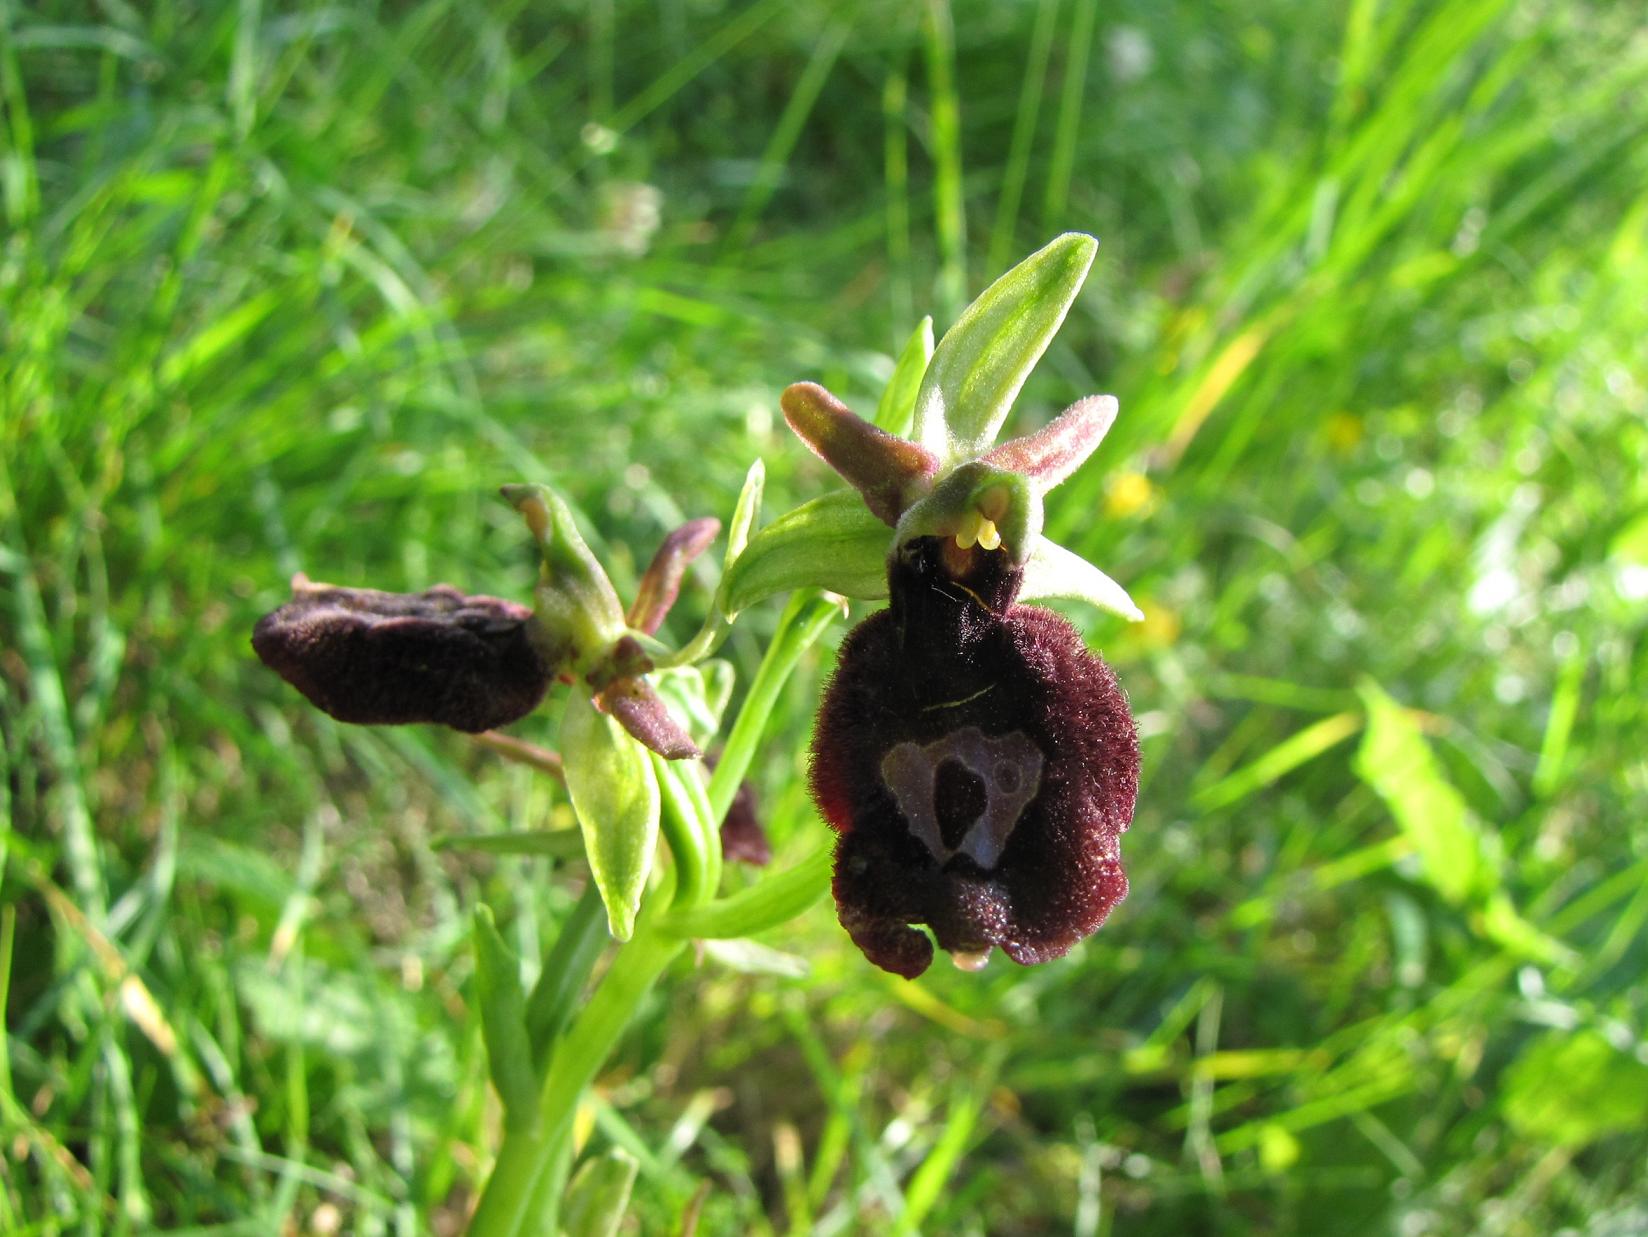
[1009, 767]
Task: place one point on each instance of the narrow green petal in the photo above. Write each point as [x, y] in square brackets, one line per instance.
[898, 401]
[1054, 571]
[832, 542]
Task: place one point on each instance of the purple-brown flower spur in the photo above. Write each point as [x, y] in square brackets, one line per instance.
[379, 658]
[979, 764]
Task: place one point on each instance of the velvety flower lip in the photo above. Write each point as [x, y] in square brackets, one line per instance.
[378, 658]
[979, 765]
[977, 760]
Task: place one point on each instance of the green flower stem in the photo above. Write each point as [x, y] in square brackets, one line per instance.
[683, 817]
[802, 622]
[566, 969]
[526, 1182]
[769, 902]
[708, 639]
[523, 1195]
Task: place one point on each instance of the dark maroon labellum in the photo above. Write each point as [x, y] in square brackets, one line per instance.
[978, 762]
[379, 658]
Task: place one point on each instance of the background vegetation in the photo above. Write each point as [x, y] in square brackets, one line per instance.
[296, 285]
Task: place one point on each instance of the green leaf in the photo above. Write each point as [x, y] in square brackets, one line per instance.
[1396, 761]
[983, 360]
[503, 1019]
[1570, 1088]
[555, 843]
[898, 401]
[598, 1195]
[769, 902]
[1502, 924]
[615, 795]
[832, 542]
[1055, 572]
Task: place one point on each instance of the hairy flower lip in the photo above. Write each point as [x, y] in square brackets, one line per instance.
[377, 658]
[955, 654]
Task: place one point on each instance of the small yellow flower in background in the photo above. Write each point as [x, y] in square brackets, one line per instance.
[1161, 625]
[1344, 431]
[1129, 494]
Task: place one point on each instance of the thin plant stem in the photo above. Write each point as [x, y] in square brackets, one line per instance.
[566, 969]
[515, 1203]
[802, 622]
[523, 1196]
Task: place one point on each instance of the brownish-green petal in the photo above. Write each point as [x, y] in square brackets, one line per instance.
[661, 583]
[888, 471]
[1058, 448]
[642, 712]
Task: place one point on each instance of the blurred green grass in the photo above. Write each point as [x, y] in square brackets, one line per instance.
[296, 286]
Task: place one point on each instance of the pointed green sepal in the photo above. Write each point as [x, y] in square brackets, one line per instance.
[598, 1195]
[979, 504]
[1054, 572]
[832, 542]
[983, 360]
[615, 796]
[578, 616]
[502, 1003]
[898, 400]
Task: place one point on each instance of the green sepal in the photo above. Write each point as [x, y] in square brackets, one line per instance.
[502, 1003]
[983, 360]
[598, 1195]
[832, 542]
[614, 793]
[578, 616]
[898, 399]
[1055, 572]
